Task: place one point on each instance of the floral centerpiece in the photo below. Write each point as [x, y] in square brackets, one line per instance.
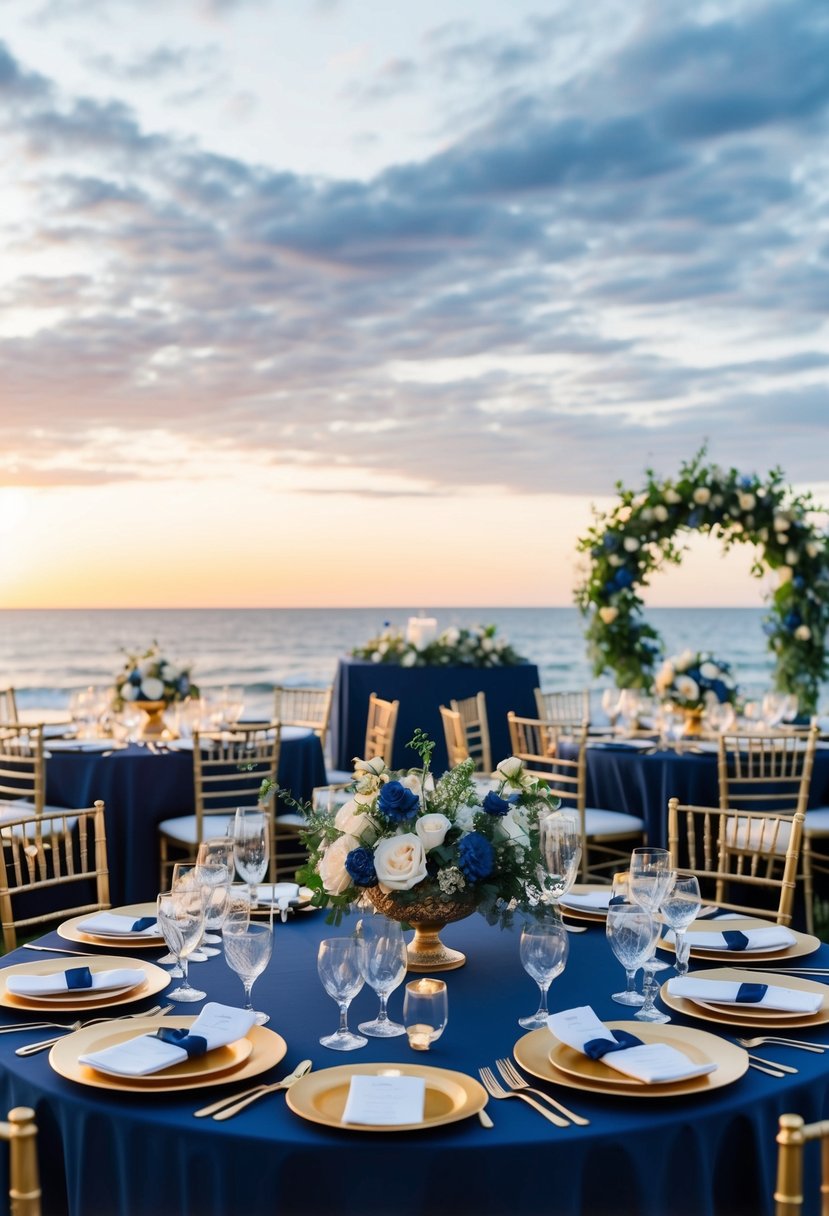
[455, 647]
[149, 676]
[695, 679]
[426, 852]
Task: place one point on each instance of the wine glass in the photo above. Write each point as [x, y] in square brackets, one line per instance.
[184, 875]
[250, 846]
[721, 716]
[559, 843]
[425, 1011]
[773, 708]
[180, 916]
[679, 908]
[651, 878]
[216, 851]
[340, 967]
[630, 704]
[384, 969]
[215, 885]
[248, 950]
[790, 707]
[611, 698]
[632, 932]
[543, 956]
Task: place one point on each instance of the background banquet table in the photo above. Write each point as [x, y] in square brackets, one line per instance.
[421, 691]
[111, 1154]
[141, 788]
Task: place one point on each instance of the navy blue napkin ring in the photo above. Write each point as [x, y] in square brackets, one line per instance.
[193, 1044]
[596, 1048]
[734, 939]
[751, 993]
[78, 977]
[138, 926]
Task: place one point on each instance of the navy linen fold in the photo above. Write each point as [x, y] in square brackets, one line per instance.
[144, 922]
[749, 994]
[734, 939]
[193, 1044]
[78, 977]
[596, 1048]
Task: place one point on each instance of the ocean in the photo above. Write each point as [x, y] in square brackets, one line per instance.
[47, 654]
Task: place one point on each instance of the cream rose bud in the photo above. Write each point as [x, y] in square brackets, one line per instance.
[129, 692]
[747, 501]
[153, 688]
[412, 782]
[613, 559]
[608, 613]
[702, 495]
[802, 633]
[351, 819]
[687, 688]
[409, 659]
[631, 544]
[784, 574]
[812, 548]
[672, 497]
[791, 556]
[400, 862]
[373, 767]
[432, 829]
[660, 513]
[331, 866]
[510, 768]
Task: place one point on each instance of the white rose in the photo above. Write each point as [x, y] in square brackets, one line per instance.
[412, 782]
[409, 659]
[687, 688]
[665, 676]
[608, 614]
[631, 544]
[802, 633]
[431, 830]
[812, 548]
[331, 866]
[683, 661]
[452, 635]
[660, 513]
[781, 523]
[709, 671]
[672, 497]
[747, 501]
[352, 820]
[508, 828]
[613, 559]
[510, 768]
[129, 692]
[792, 556]
[152, 688]
[373, 767]
[702, 495]
[400, 862]
[623, 514]
[784, 574]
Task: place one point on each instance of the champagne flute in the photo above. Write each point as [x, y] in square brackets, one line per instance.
[651, 879]
[679, 908]
[250, 846]
[544, 952]
[631, 932]
[340, 967]
[425, 1011]
[184, 875]
[384, 969]
[610, 705]
[559, 843]
[215, 886]
[180, 916]
[248, 950]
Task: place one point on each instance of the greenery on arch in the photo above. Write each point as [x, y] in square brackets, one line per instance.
[639, 536]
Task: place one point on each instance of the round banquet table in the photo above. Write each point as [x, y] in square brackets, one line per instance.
[140, 788]
[106, 1153]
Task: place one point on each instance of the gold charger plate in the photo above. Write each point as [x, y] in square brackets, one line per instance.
[732, 1015]
[803, 944]
[267, 1049]
[544, 1056]
[584, 888]
[156, 979]
[321, 1096]
[70, 932]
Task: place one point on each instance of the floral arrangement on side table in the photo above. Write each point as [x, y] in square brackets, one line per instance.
[149, 676]
[456, 647]
[694, 680]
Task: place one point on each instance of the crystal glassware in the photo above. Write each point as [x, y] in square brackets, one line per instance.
[180, 916]
[384, 969]
[559, 842]
[544, 952]
[250, 846]
[184, 875]
[651, 879]
[632, 932]
[248, 950]
[340, 967]
[425, 1011]
[679, 908]
[215, 884]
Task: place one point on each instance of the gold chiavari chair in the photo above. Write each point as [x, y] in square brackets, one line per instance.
[792, 1136]
[566, 709]
[8, 706]
[772, 771]
[381, 724]
[476, 730]
[20, 1130]
[457, 747]
[61, 858]
[228, 770]
[22, 771]
[738, 852]
[307, 707]
[607, 836]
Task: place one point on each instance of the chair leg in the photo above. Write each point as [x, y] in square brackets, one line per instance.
[808, 884]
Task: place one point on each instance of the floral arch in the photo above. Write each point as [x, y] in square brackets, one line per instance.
[639, 536]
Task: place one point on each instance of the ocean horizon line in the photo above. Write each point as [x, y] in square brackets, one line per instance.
[376, 608]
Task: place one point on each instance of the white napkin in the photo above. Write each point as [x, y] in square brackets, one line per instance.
[592, 901]
[280, 894]
[651, 1062]
[145, 1054]
[55, 981]
[724, 992]
[113, 924]
[775, 937]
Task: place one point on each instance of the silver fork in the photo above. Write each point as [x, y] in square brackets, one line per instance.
[819, 1048]
[496, 1090]
[33, 1048]
[516, 1082]
[782, 1068]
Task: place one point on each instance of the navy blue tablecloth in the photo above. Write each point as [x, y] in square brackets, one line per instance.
[129, 1155]
[141, 788]
[421, 691]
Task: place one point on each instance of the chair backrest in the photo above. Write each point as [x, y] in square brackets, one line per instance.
[308, 707]
[24, 1176]
[733, 851]
[22, 769]
[229, 767]
[570, 709]
[538, 744]
[476, 729]
[60, 857]
[793, 1133]
[8, 705]
[380, 727]
[770, 771]
[457, 747]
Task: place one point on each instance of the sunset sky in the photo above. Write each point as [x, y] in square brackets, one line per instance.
[343, 302]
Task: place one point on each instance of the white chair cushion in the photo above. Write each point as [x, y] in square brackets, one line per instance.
[183, 829]
[610, 823]
[24, 809]
[817, 821]
[739, 835]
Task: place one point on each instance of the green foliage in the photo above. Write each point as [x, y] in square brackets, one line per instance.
[454, 647]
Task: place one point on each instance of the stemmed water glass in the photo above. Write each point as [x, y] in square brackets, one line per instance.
[180, 916]
[184, 875]
[632, 933]
[611, 698]
[651, 879]
[544, 952]
[340, 967]
[250, 846]
[679, 908]
[248, 950]
[559, 843]
[215, 884]
[384, 969]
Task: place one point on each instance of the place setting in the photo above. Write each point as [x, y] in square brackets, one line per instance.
[83, 982]
[765, 1000]
[753, 939]
[133, 925]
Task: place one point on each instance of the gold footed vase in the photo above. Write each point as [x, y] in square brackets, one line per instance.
[693, 723]
[426, 952]
[154, 726]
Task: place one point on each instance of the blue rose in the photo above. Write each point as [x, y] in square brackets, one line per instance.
[476, 857]
[610, 541]
[746, 483]
[695, 518]
[792, 620]
[719, 690]
[397, 803]
[359, 865]
[494, 804]
[624, 578]
[183, 684]
[798, 582]
[135, 677]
